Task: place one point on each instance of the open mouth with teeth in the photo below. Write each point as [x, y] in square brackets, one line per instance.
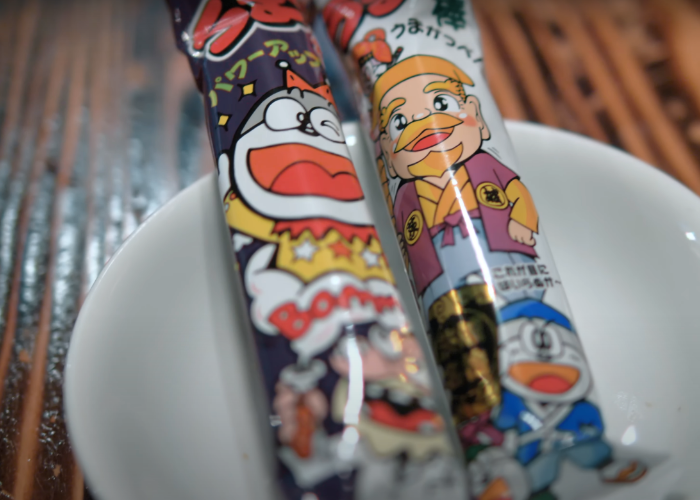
[298, 169]
[398, 409]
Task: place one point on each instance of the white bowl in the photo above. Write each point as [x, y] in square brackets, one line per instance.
[159, 390]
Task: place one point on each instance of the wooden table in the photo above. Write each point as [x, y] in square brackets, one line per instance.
[100, 124]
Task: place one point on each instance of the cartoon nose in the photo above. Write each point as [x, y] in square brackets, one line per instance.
[305, 123]
[544, 344]
[418, 116]
[308, 127]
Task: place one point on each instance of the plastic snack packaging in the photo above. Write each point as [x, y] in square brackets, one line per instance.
[347, 384]
[521, 391]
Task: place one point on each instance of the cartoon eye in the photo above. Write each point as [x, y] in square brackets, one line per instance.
[284, 114]
[445, 102]
[327, 124]
[541, 339]
[396, 125]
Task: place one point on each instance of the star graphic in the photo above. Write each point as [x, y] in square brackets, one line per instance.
[246, 90]
[223, 120]
[305, 251]
[340, 250]
[371, 258]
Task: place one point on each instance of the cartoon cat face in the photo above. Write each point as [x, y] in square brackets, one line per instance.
[542, 361]
[291, 161]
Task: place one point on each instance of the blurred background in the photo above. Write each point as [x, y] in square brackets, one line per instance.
[100, 124]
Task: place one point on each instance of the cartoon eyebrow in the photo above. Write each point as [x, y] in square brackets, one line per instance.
[453, 87]
[387, 111]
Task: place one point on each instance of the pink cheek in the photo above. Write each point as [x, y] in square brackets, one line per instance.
[470, 121]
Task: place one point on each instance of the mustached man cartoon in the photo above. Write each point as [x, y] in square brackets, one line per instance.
[544, 412]
[431, 134]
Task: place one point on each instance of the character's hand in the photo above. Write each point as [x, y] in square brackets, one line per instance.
[294, 408]
[520, 233]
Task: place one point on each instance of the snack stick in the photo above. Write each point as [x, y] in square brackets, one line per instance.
[520, 388]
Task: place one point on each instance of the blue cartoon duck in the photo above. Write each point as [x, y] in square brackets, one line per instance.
[544, 411]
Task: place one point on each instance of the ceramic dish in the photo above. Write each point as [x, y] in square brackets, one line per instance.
[159, 386]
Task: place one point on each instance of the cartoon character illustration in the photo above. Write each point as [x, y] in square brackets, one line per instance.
[312, 316]
[298, 187]
[392, 432]
[322, 266]
[348, 385]
[314, 269]
[544, 411]
[431, 134]
[374, 56]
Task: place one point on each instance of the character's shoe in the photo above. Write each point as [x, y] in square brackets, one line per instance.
[623, 472]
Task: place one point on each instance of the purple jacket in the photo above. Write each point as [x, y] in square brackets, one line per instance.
[484, 171]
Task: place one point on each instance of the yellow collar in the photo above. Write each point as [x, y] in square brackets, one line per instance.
[438, 203]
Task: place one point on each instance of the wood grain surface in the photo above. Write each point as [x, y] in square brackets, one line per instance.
[100, 124]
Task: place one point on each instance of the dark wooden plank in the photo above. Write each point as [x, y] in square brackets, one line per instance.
[637, 84]
[34, 185]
